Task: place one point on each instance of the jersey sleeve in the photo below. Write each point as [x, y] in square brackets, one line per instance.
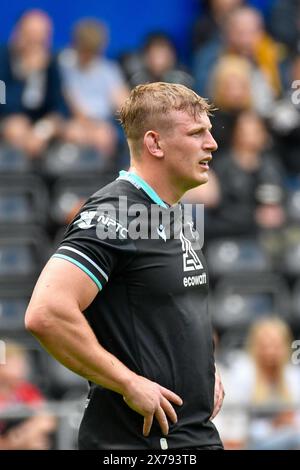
[85, 247]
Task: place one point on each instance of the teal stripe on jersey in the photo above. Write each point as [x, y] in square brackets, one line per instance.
[127, 175]
[83, 268]
[68, 248]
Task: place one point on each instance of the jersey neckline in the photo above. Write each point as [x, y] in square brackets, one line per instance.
[139, 183]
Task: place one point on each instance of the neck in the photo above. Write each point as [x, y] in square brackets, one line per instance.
[161, 185]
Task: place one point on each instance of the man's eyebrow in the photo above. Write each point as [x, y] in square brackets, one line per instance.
[200, 128]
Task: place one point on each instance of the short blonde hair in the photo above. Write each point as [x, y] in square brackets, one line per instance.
[148, 107]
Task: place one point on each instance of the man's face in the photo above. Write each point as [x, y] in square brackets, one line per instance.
[243, 33]
[34, 31]
[188, 147]
[270, 347]
[160, 58]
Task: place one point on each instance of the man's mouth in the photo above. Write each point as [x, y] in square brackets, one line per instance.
[205, 163]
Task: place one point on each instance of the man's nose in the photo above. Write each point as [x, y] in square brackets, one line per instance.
[210, 143]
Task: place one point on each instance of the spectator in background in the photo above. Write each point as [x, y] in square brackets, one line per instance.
[94, 88]
[34, 102]
[159, 63]
[235, 87]
[244, 35]
[265, 379]
[247, 187]
[208, 28]
[16, 391]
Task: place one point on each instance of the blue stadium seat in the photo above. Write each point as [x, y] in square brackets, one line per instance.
[13, 303]
[226, 256]
[15, 258]
[23, 200]
[22, 255]
[13, 160]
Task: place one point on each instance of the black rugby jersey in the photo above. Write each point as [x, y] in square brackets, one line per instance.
[151, 312]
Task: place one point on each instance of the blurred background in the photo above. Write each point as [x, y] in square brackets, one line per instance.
[66, 72]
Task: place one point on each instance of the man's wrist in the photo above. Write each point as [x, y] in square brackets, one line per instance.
[126, 383]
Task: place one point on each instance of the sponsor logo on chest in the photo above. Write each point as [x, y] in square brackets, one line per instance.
[191, 262]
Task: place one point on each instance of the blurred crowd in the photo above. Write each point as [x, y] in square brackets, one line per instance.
[60, 141]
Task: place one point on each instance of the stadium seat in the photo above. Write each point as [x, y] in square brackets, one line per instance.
[13, 303]
[238, 300]
[13, 160]
[66, 158]
[23, 200]
[227, 256]
[70, 193]
[22, 255]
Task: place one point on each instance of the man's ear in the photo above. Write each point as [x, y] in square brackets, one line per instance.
[151, 141]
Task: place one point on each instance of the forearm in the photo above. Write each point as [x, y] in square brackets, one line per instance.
[71, 341]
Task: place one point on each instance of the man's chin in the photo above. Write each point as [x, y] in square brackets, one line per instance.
[203, 178]
[199, 182]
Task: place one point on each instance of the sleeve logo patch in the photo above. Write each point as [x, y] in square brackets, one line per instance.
[86, 219]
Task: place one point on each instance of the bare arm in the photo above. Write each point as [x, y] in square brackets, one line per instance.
[54, 316]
